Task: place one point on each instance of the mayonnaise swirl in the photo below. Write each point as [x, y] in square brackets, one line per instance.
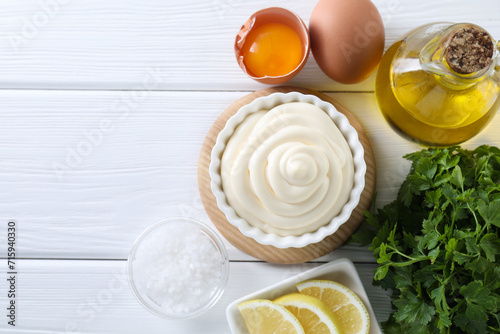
[288, 170]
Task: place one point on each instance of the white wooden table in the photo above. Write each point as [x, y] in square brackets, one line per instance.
[104, 106]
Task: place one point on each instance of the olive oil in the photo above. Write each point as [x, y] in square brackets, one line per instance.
[430, 108]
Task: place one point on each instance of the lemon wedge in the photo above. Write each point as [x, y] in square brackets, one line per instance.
[265, 317]
[347, 306]
[314, 315]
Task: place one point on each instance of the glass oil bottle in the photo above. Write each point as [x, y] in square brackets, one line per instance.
[440, 85]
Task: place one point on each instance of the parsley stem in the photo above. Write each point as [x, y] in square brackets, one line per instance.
[413, 259]
[479, 228]
[407, 263]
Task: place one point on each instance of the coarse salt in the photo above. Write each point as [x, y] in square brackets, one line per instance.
[178, 267]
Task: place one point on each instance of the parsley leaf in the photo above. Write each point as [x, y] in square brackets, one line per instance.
[411, 309]
[490, 244]
[437, 244]
[490, 212]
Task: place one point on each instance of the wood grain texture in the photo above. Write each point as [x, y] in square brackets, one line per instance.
[143, 170]
[187, 45]
[68, 296]
[268, 252]
[161, 72]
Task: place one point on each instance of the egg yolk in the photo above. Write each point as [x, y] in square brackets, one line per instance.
[272, 49]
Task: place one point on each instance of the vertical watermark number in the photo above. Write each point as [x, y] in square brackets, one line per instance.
[11, 272]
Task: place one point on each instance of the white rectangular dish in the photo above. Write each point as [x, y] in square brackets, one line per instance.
[341, 271]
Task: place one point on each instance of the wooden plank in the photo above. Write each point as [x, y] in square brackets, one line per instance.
[84, 174]
[184, 45]
[65, 296]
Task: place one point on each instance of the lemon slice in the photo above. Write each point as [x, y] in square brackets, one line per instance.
[347, 306]
[265, 317]
[314, 315]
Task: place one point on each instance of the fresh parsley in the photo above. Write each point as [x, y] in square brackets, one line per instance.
[437, 245]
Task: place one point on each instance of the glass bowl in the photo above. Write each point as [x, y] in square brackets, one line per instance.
[178, 268]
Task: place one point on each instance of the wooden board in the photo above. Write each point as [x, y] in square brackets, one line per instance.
[271, 253]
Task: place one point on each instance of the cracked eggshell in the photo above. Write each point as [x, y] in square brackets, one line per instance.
[273, 15]
[347, 38]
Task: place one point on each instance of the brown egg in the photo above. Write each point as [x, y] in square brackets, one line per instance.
[272, 46]
[347, 38]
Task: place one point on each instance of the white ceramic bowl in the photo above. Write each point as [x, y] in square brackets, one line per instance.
[267, 103]
[341, 271]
